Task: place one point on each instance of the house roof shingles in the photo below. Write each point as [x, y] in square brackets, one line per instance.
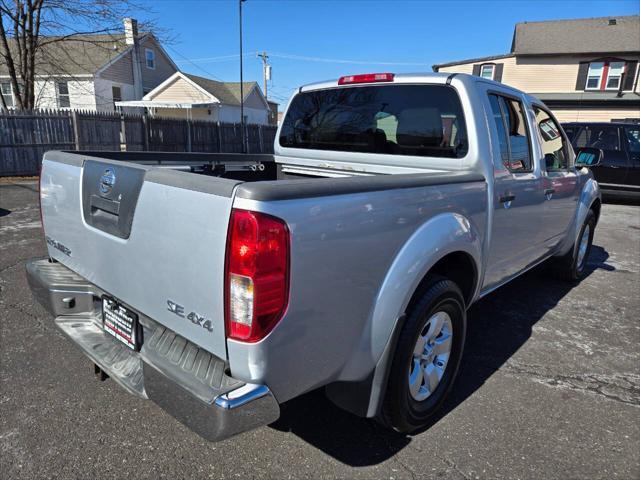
[584, 35]
[79, 55]
[566, 37]
[227, 92]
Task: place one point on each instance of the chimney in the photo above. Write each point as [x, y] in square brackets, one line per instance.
[131, 38]
[131, 31]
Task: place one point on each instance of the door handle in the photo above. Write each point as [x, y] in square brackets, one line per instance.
[507, 198]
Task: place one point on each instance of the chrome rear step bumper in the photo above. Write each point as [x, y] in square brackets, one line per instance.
[185, 380]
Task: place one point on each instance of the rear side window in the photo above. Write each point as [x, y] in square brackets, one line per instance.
[510, 121]
[419, 120]
[633, 138]
[604, 137]
[570, 132]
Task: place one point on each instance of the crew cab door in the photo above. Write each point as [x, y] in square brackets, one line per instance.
[515, 241]
[560, 180]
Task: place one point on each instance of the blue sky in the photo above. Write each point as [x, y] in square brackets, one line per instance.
[311, 40]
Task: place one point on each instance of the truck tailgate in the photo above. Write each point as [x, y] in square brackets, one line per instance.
[153, 238]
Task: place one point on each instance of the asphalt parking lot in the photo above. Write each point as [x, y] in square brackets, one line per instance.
[550, 388]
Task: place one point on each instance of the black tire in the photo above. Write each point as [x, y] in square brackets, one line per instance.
[400, 410]
[567, 267]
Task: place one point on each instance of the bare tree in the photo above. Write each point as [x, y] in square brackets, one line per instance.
[29, 28]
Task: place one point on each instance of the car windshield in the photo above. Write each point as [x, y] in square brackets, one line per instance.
[420, 120]
[633, 137]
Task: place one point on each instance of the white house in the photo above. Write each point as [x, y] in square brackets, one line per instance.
[93, 72]
[183, 95]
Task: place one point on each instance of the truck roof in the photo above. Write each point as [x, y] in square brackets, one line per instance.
[420, 77]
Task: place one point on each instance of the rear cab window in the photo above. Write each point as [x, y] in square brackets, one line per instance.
[394, 119]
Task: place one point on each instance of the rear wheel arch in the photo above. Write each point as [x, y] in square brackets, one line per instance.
[403, 407]
[448, 245]
[459, 267]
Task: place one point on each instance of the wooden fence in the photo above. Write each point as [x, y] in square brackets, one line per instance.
[25, 136]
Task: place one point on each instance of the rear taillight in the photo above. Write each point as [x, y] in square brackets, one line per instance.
[257, 274]
[366, 78]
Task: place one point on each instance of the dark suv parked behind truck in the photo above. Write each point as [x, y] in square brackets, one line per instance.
[619, 171]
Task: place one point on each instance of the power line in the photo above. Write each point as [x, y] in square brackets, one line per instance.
[221, 58]
[303, 58]
[195, 65]
[338, 60]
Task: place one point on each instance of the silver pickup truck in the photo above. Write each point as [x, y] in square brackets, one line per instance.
[222, 285]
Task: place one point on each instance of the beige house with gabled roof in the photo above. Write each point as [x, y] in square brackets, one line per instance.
[92, 72]
[183, 95]
[584, 69]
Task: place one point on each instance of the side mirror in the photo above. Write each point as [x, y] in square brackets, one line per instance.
[588, 157]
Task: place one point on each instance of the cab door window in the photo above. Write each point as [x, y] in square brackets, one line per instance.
[511, 125]
[554, 147]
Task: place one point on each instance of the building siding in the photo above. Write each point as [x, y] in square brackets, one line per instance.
[121, 71]
[81, 94]
[181, 91]
[231, 114]
[151, 78]
[254, 100]
[555, 74]
[593, 115]
[538, 74]
[219, 113]
[104, 94]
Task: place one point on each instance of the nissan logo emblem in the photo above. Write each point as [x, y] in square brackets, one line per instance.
[107, 181]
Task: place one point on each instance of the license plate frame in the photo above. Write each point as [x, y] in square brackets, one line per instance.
[121, 323]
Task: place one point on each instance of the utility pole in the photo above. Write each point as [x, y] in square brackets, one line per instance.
[242, 133]
[266, 71]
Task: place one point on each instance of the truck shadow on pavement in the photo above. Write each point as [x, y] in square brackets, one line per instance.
[498, 326]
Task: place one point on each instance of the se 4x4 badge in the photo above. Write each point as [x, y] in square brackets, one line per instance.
[194, 317]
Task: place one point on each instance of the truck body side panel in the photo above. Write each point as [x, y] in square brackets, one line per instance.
[342, 248]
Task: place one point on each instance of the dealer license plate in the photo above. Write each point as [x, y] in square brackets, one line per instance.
[120, 322]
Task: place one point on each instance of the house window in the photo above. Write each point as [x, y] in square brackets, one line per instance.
[594, 77]
[486, 71]
[116, 94]
[62, 89]
[7, 93]
[150, 58]
[604, 75]
[614, 75]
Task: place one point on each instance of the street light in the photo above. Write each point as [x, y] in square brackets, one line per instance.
[242, 134]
